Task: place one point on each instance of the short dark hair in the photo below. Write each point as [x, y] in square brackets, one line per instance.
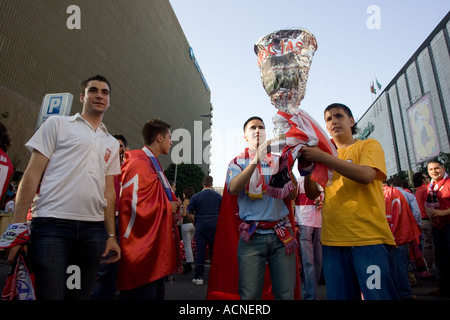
[346, 110]
[208, 181]
[417, 179]
[152, 128]
[397, 182]
[5, 141]
[95, 78]
[188, 192]
[253, 118]
[121, 137]
[435, 160]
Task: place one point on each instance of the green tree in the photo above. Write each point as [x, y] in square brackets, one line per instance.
[188, 175]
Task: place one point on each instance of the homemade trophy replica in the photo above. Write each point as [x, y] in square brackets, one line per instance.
[284, 59]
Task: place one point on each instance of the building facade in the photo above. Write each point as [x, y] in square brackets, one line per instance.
[51, 46]
[410, 118]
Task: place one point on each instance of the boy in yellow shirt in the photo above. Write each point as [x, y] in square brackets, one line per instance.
[357, 241]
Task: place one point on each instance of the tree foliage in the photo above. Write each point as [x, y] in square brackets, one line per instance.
[188, 175]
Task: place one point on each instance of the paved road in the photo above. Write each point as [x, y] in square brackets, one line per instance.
[182, 288]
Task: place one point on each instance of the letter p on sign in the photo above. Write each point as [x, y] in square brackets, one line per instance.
[54, 105]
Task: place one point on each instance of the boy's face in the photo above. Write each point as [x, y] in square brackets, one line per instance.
[255, 134]
[339, 124]
[165, 142]
[95, 98]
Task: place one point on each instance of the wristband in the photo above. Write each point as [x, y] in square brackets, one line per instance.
[111, 235]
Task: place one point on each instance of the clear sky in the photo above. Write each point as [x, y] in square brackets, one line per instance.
[355, 45]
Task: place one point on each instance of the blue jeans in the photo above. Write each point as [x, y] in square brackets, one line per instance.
[56, 244]
[154, 290]
[350, 271]
[204, 236]
[401, 254]
[252, 258]
[311, 250]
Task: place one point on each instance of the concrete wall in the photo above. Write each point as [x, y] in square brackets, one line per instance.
[138, 45]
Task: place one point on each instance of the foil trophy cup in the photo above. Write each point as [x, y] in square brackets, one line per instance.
[284, 59]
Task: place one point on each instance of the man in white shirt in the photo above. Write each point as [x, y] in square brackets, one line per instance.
[308, 217]
[70, 176]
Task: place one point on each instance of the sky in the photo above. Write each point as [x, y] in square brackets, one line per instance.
[357, 44]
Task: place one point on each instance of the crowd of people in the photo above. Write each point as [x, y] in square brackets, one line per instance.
[113, 213]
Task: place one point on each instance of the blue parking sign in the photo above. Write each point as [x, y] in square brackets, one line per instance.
[54, 104]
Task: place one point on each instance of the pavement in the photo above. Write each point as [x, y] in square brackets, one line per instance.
[182, 288]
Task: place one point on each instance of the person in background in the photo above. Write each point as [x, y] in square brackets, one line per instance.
[439, 197]
[147, 206]
[105, 284]
[204, 209]
[309, 219]
[412, 201]
[187, 230]
[421, 181]
[7, 168]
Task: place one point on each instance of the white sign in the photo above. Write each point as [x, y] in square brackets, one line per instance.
[55, 104]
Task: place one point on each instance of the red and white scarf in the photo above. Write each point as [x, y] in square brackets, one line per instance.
[257, 185]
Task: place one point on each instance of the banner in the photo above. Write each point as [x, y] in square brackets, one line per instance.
[423, 131]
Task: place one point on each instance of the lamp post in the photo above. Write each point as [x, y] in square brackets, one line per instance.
[204, 115]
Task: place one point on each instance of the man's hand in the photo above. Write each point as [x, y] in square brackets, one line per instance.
[261, 152]
[176, 205]
[439, 213]
[313, 154]
[12, 252]
[242, 179]
[112, 250]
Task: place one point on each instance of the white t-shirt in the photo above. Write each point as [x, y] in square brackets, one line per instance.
[73, 184]
[306, 211]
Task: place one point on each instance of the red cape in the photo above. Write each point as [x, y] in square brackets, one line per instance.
[147, 244]
[223, 279]
[400, 218]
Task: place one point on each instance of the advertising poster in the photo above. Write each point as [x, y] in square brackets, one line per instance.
[423, 130]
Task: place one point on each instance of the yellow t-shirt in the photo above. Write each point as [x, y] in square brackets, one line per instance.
[354, 214]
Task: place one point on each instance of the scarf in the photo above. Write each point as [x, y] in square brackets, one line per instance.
[20, 281]
[161, 176]
[436, 186]
[257, 184]
[16, 234]
[246, 230]
[303, 130]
